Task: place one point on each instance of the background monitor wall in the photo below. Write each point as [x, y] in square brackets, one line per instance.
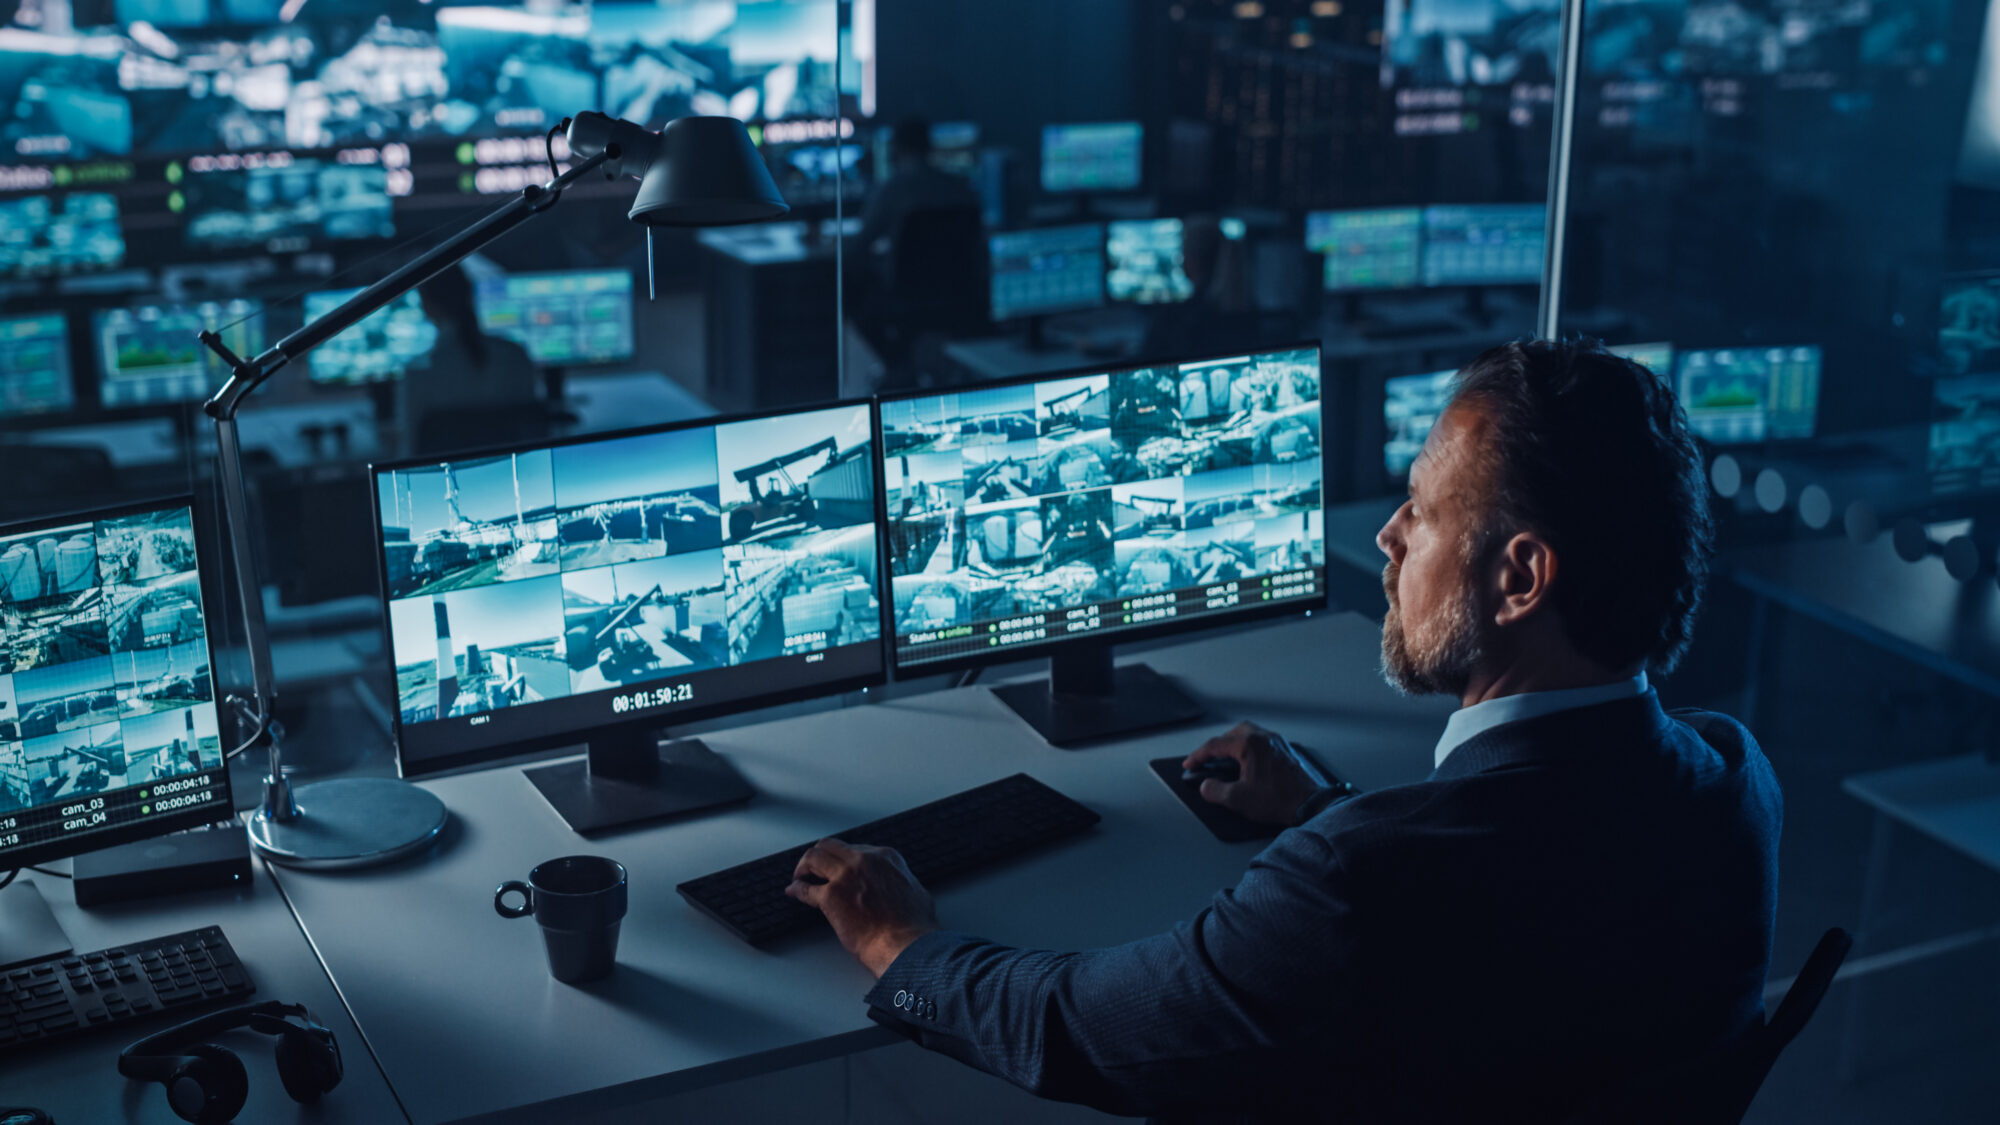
[1735, 396]
[389, 341]
[1046, 270]
[149, 355]
[34, 366]
[562, 318]
[1145, 263]
[1103, 157]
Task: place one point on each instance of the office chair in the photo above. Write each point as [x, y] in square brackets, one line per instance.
[937, 289]
[1717, 1088]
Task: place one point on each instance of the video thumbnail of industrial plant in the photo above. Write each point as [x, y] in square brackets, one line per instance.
[104, 665]
[1056, 494]
[596, 565]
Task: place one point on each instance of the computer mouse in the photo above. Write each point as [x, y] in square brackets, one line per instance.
[1221, 769]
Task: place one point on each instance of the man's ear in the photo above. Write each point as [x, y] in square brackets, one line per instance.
[1523, 571]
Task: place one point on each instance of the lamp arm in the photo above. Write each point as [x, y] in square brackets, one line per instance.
[246, 375]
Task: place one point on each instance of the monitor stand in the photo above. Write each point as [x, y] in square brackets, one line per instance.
[28, 929]
[1087, 697]
[631, 777]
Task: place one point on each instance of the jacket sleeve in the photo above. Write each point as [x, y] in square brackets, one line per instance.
[1165, 1023]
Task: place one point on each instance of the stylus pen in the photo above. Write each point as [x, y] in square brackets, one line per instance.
[1312, 771]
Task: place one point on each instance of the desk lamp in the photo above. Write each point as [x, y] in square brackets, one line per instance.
[698, 171]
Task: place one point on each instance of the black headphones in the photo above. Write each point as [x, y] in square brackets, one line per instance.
[206, 1082]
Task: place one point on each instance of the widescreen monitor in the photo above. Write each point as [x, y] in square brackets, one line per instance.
[34, 366]
[1046, 270]
[1484, 244]
[1144, 263]
[292, 205]
[565, 318]
[1411, 405]
[149, 355]
[1103, 157]
[1965, 434]
[585, 590]
[1735, 396]
[167, 77]
[1061, 515]
[54, 236]
[391, 340]
[108, 722]
[1380, 248]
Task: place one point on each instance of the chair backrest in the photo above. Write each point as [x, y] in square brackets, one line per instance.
[940, 259]
[1718, 1087]
[474, 427]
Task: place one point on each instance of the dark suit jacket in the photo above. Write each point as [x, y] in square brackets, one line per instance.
[1566, 900]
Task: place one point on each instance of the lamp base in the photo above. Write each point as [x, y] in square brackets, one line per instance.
[351, 822]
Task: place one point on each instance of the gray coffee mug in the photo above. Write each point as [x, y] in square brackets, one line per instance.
[579, 901]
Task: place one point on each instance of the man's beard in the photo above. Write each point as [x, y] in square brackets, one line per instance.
[1439, 659]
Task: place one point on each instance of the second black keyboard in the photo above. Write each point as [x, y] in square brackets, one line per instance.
[120, 985]
[978, 828]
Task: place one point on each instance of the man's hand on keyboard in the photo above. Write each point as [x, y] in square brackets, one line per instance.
[876, 906]
[1269, 788]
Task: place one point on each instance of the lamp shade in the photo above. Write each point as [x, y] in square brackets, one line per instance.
[707, 174]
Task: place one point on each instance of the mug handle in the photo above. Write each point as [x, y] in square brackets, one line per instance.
[527, 906]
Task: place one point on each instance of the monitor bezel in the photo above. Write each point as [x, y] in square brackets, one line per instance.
[1103, 268]
[494, 753]
[207, 579]
[1108, 638]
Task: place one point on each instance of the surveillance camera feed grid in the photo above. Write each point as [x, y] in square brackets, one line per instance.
[572, 317]
[1965, 434]
[1033, 512]
[599, 566]
[150, 354]
[389, 341]
[45, 236]
[105, 685]
[1735, 396]
[289, 204]
[1410, 407]
[1379, 249]
[34, 365]
[165, 77]
[1144, 263]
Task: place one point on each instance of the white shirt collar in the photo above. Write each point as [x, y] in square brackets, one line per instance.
[1469, 722]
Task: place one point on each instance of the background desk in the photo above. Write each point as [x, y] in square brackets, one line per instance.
[458, 1003]
[1914, 610]
[78, 1081]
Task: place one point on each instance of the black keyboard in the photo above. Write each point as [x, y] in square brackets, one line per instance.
[957, 834]
[112, 987]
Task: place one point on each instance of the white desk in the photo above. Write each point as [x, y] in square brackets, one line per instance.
[458, 1004]
[77, 1081]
